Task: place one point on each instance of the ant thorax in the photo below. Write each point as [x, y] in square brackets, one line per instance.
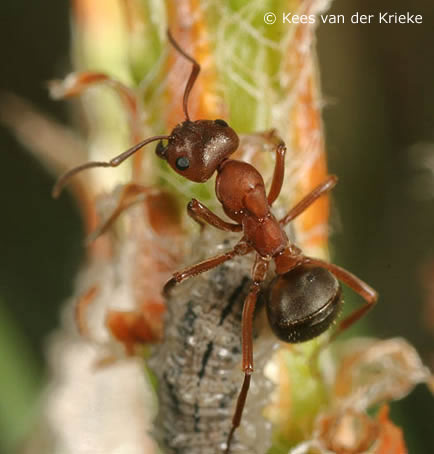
[241, 190]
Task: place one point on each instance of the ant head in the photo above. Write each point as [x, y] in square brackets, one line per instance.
[195, 149]
[303, 303]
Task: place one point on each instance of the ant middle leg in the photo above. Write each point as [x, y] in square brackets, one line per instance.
[260, 269]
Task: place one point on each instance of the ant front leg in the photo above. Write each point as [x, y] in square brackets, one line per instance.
[279, 147]
[272, 139]
[279, 173]
[203, 215]
[260, 269]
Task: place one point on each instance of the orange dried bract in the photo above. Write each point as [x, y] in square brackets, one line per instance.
[353, 432]
[129, 196]
[137, 327]
[155, 230]
[134, 15]
[77, 83]
[81, 308]
[348, 432]
[307, 139]
[391, 439]
[159, 251]
[95, 14]
[164, 214]
[373, 372]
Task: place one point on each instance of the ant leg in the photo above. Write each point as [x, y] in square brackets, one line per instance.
[306, 201]
[128, 197]
[260, 269]
[271, 137]
[112, 163]
[241, 248]
[279, 173]
[203, 215]
[359, 286]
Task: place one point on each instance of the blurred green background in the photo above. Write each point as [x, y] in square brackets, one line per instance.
[378, 85]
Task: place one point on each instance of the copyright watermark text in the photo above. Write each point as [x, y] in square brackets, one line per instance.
[270, 18]
[356, 18]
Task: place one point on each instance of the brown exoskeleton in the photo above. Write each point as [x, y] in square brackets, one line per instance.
[304, 298]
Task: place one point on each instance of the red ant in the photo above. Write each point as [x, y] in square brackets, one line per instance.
[304, 298]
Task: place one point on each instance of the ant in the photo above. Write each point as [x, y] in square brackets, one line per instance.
[304, 298]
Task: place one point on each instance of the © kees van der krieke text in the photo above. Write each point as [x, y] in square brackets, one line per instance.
[357, 18]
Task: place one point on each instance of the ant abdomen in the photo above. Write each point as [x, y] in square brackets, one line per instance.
[302, 303]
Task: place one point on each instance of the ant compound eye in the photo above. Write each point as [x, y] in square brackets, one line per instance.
[221, 122]
[161, 150]
[182, 163]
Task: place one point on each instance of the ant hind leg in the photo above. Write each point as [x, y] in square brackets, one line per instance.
[360, 287]
[260, 269]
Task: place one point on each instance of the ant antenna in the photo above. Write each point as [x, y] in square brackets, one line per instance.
[61, 182]
[193, 76]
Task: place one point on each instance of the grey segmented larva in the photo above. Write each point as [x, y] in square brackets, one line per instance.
[199, 363]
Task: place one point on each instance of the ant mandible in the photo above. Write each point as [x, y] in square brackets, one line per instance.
[304, 298]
